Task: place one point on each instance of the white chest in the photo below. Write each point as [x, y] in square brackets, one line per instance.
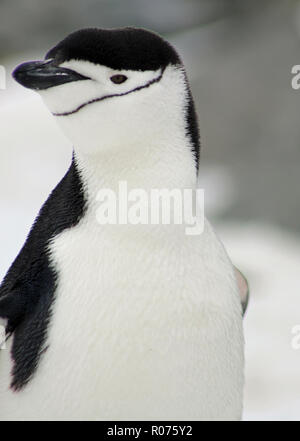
[143, 327]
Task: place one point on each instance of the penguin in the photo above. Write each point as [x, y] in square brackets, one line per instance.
[117, 321]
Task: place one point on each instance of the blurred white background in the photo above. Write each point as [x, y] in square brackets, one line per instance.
[238, 56]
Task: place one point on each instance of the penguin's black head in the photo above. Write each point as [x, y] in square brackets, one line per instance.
[119, 49]
[123, 84]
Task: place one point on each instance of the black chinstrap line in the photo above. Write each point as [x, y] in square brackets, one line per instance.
[96, 100]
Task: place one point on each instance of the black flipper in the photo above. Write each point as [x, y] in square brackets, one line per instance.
[12, 308]
[28, 289]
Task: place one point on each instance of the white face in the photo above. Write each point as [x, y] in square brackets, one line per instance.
[98, 115]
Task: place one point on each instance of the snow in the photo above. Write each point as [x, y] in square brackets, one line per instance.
[35, 155]
[270, 258]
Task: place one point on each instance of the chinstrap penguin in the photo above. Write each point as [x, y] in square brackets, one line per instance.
[119, 322]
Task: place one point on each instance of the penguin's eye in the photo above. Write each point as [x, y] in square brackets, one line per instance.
[118, 79]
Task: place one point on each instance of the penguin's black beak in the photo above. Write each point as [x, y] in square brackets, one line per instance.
[39, 75]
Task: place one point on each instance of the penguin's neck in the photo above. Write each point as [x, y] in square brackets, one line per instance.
[153, 166]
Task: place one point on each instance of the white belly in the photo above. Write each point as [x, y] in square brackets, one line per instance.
[144, 327]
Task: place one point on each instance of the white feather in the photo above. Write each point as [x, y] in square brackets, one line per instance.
[147, 320]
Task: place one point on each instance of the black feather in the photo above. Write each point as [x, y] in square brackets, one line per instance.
[28, 289]
[125, 48]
